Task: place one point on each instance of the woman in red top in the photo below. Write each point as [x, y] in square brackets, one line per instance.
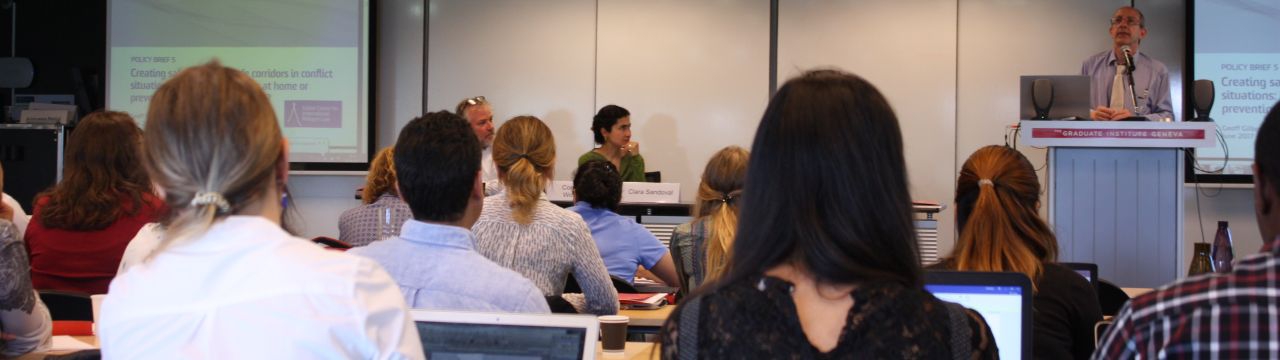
[81, 226]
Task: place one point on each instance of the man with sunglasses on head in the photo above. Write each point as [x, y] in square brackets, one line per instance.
[1121, 90]
[479, 114]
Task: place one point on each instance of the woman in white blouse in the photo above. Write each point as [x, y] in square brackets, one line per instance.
[226, 281]
[521, 230]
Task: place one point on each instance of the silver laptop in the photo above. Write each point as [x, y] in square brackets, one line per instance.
[477, 335]
[1003, 299]
[1071, 94]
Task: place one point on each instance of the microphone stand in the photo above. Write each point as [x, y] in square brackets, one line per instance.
[1133, 90]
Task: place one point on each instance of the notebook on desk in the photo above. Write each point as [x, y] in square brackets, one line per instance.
[1003, 299]
[477, 335]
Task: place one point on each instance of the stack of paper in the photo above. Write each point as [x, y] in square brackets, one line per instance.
[642, 301]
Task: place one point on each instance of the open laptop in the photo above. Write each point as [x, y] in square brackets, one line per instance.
[1002, 298]
[1071, 94]
[478, 335]
[1087, 270]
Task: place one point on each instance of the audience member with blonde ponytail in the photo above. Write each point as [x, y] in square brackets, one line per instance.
[519, 229]
[997, 202]
[226, 281]
[703, 244]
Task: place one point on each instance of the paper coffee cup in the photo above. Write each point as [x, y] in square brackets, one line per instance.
[613, 332]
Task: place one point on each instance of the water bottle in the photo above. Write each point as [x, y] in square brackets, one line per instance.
[1200, 263]
[1222, 253]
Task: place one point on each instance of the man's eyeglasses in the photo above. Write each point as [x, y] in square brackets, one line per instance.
[1126, 20]
[475, 101]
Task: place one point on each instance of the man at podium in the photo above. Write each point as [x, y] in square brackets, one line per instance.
[1127, 84]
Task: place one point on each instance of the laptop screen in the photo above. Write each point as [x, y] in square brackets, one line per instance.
[1086, 270]
[444, 340]
[1088, 275]
[1001, 306]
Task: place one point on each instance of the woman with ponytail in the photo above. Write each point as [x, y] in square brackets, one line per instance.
[522, 231]
[703, 244]
[225, 280]
[997, 202]
[624, 244]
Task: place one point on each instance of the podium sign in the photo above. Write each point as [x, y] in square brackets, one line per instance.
[1115, 193]
[1129, 134]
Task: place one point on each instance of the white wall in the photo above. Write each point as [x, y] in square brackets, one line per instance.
[913, 50]
[907, 48]
[525, 57]
[689, 96]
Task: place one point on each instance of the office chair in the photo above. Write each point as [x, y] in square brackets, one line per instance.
[67, 305]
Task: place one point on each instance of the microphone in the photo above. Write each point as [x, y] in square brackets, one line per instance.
[1128, 59]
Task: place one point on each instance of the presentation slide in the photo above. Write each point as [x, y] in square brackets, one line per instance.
[1235, 47]
[310, 56]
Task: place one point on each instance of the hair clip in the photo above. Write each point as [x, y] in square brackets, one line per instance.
[204, 198]
[986, 182]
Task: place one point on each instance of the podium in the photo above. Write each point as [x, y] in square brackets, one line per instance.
[1115, 193]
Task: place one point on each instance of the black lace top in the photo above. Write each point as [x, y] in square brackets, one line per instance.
[756, 319]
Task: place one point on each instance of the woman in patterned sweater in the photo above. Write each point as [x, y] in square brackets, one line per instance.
[521, 230]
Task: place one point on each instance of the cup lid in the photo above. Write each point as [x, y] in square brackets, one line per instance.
[614, 318]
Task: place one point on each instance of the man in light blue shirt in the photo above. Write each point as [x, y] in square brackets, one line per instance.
[1150, 89]
[434, 260]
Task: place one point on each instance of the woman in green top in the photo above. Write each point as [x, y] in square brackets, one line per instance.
[612, 129]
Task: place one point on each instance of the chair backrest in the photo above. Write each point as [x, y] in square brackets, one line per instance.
[653, 176]
[559, 305]
[1111, 297]
[67, 305]
[1099, 329]
[622, 286]
[331, 243]
[678, 256]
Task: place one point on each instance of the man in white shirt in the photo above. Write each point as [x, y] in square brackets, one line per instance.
[479, 114]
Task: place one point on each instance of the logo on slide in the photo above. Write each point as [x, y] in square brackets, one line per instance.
[312, 114]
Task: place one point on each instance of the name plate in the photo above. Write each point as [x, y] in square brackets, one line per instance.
[640, 192]
[560, 190]
[632, 192]
[46, 116]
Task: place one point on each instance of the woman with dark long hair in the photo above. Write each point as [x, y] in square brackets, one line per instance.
[824, 263]
[997, 201]
[80, 227]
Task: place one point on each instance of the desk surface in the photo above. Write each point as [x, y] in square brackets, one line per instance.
[648, 318]
[633, 351]
[1134, 292]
